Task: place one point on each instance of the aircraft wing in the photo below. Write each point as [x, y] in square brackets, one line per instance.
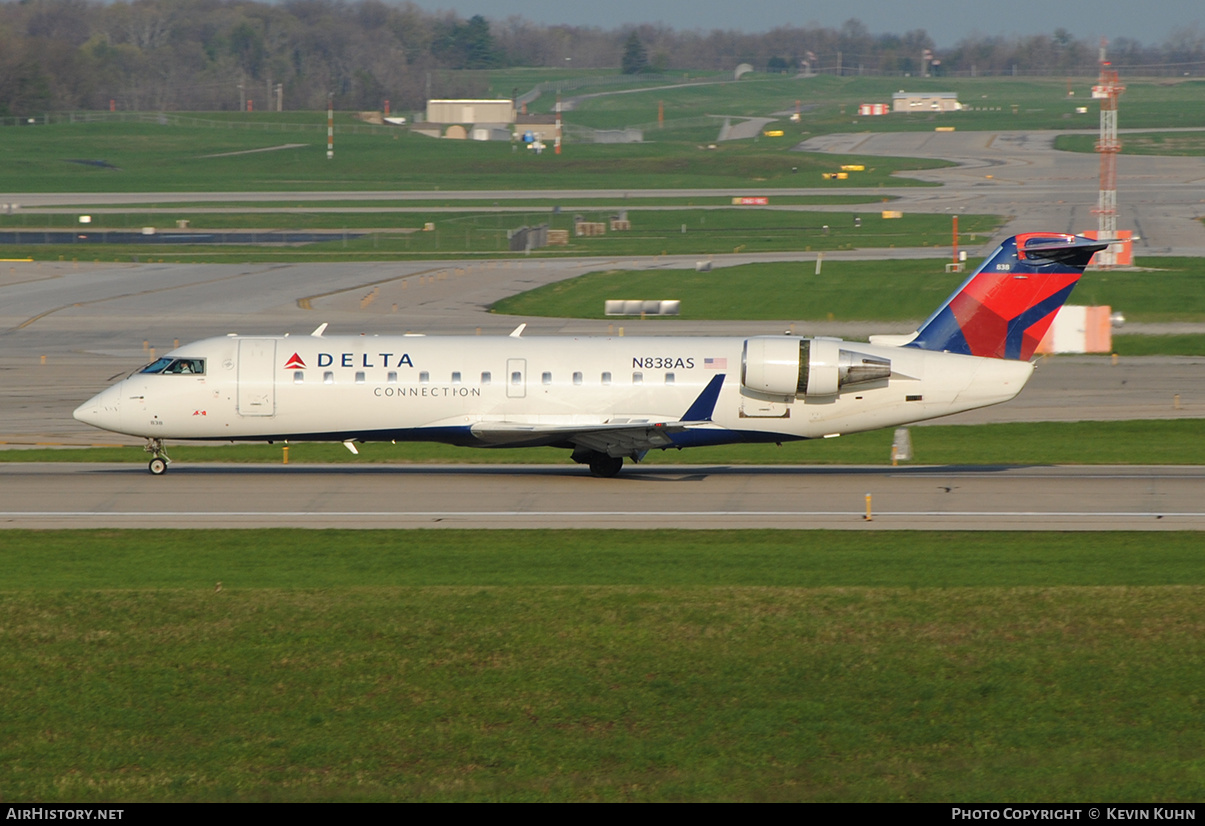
[616, 437]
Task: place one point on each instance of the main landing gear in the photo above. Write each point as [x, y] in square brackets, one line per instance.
[159, 461]
[604, 466]
[601, 464]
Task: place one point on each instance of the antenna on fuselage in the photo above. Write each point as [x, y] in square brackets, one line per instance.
[518, 331]
[321, 329]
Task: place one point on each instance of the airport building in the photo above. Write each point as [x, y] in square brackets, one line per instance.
[470, 111]
[903, 101]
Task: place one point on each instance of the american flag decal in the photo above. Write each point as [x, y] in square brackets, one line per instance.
[715, 364]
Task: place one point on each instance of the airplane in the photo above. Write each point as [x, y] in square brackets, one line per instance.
[604, 398]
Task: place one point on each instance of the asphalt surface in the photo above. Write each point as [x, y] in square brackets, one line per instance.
[642, 497]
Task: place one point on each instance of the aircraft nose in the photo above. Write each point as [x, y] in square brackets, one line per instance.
[102, 410]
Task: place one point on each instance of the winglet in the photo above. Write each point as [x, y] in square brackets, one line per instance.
[704, 405]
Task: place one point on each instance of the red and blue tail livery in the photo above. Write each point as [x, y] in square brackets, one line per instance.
[1008, 304]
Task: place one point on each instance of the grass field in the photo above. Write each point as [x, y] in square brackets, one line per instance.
[1178, 441]
[830, 104]
[1179, 345]
[853, 291]
[1154, 143]
[654, 232]
[649, 666]
[200, 153]
[132, 157]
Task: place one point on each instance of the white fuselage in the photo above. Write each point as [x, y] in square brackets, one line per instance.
[485, 390]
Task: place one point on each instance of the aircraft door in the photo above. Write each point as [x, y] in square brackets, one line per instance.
[257, 377]
[516, 378]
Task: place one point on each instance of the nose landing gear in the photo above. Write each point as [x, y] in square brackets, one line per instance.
[159, 461]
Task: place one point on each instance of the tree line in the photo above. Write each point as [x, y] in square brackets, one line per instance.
[153, 55]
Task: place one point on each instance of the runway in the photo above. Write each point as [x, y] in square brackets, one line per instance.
[1146, 498]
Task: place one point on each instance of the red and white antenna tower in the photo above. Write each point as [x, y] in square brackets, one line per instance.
[1107, 89]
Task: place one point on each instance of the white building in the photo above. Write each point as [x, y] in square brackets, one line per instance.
[470, 111]
[903, 101]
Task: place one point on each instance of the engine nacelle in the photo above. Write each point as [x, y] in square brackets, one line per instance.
[783, 366]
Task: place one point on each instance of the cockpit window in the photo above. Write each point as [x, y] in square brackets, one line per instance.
[157, 366]
[194, 367]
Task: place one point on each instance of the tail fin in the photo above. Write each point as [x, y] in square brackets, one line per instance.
[1007, 305]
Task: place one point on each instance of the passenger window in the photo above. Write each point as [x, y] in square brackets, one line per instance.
[577, 378]
[669, 378]
[486, 377]
[606, 378]
[456, 377]
[391, 377]
[298, 377]
[328, 377]
[359, 377]
[546, 378]
[516, 378]
[424, 377]
[638, 378]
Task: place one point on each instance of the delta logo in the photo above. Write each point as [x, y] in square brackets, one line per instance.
[296, 362]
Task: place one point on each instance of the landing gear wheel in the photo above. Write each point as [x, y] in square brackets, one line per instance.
[604, 466]
[159, 461]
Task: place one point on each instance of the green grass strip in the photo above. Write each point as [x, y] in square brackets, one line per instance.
[1183, 144]
[1170, 441]
[1167, 289]
[1170, 345]
[283, 558]
[653, 232]
[609, 666]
